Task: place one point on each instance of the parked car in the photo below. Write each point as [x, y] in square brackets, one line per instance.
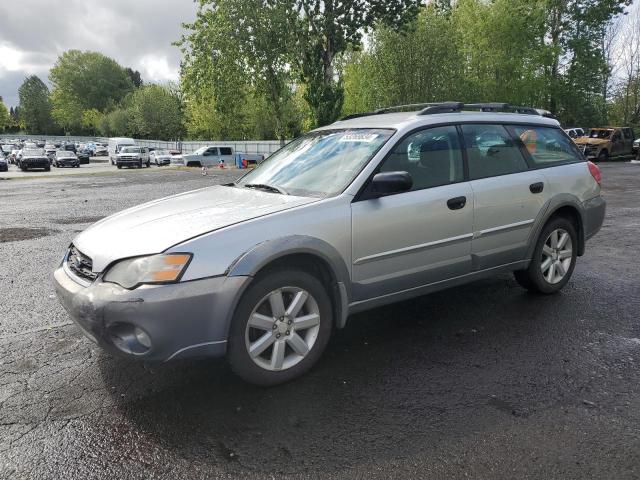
[34, 158]
[69, 147]
[115, 144]
[636, 147]
[133, 157]
[209, 156]
[66, 159]
[4, 164]
[5, 149]
[100, 151]
[606, 142]
[574, 132]
[160, 157]
[343, 219]
[50, 151]
[84, 156]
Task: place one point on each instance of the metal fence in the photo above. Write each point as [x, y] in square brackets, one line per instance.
[265, 147]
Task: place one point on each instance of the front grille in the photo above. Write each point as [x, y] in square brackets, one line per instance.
[80, 264]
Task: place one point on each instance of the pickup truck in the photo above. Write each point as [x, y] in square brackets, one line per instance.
[606, 142]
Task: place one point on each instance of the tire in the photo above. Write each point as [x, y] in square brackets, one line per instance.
[262, 368]
[603, 156]
[47, 168]
[536, 277]
[119, 166]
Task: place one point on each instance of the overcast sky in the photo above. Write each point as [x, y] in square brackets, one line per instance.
[136, 33]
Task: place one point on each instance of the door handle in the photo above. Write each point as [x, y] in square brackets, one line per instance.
[456, 203]
[536, 187]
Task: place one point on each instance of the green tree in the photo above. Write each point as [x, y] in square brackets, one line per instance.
[320, 31]
[5, 119]
[135, 77]
[156, 112]
[250, 34]
[84, 81]
[35, 107]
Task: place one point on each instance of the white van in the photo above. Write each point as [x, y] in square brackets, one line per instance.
[115, 144]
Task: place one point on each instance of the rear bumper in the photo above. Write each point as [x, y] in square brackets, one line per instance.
[595, 210]
[181, 320]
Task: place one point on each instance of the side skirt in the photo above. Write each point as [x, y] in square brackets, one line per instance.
[375, 302]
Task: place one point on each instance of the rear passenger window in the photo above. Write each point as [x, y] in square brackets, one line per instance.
[225, 151]
[432, 157]
[547, 146]
[491, 151]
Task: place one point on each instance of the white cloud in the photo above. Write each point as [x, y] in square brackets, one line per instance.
[158, 69]
[137, 34]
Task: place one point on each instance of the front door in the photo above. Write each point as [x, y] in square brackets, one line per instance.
[415, 238]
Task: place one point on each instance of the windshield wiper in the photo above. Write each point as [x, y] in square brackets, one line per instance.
[264, 186]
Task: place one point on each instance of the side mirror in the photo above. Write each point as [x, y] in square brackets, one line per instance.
[387, 183]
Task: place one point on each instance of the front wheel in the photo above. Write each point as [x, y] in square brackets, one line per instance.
[603, 156]
[280, 328]
[554, 258]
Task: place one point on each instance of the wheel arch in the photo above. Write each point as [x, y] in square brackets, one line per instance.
[566, 206]
[310, 253]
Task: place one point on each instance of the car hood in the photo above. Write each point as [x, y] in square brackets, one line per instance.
[591, 141]
[158, 225]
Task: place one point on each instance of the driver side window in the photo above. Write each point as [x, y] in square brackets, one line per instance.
[432, 157]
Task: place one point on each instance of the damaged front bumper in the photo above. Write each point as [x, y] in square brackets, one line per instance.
[153, 322]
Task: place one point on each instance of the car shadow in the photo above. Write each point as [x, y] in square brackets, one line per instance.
[396, 380]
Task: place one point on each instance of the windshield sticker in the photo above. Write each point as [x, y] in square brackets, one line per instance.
[359, 137]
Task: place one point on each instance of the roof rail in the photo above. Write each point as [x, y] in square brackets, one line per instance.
[450, 107]
[399, 108]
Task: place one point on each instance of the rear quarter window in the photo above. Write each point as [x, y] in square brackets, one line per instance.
[546, 146]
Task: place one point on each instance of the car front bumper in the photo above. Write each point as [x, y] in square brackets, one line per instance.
[68, 163]
[180, 320]
[129, 161]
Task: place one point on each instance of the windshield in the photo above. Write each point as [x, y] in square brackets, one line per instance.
[200, 151]
[596, 133]
[162, 152]
[320, 163]
[130, 150]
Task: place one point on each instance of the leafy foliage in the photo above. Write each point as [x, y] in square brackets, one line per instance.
[35, 106]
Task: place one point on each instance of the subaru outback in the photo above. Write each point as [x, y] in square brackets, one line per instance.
[370, 210]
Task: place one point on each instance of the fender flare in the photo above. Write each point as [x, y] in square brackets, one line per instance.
[252, 261]
[548, 210]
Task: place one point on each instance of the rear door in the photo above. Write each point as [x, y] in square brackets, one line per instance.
[422, 236]
[507, 195]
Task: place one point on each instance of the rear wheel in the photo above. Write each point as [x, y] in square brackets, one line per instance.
[119, 166]
[280, 328]
[554, 258]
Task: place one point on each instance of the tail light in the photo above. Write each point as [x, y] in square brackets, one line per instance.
[595, 172]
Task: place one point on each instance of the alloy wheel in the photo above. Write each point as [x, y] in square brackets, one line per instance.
[282, 329]
[557, 255]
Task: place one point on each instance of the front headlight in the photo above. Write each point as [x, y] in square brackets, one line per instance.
[164, 268]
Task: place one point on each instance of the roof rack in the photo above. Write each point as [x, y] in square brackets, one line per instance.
[450, 107]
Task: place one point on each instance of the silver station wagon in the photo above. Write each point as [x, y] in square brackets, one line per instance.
[370, 210]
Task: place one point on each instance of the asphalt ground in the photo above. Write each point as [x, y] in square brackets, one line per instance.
[479, 381]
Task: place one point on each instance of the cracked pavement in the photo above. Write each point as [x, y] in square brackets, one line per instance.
[483, 380]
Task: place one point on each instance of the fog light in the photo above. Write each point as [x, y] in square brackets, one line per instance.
[142, 337]
[129, 338]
